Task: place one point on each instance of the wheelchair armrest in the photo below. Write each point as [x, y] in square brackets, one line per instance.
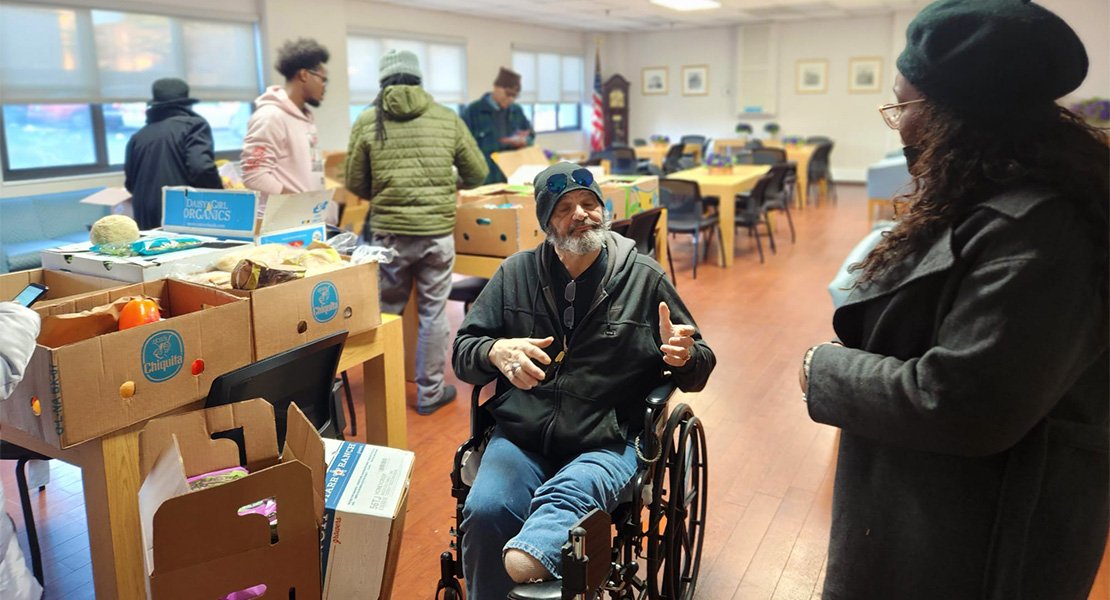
[655, 412]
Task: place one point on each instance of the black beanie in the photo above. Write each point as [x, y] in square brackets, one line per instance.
[546, 199]
[992, 57]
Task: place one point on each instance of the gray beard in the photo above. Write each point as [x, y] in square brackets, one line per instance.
[588, 242]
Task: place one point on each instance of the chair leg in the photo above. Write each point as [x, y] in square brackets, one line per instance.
[770, 233]
[758, 244]
[29, 518]
[696, 255]
[790, 221]
[350, 403]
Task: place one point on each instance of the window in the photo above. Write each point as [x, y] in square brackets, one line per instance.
[552, 88]
[74, 83]
[443, 65]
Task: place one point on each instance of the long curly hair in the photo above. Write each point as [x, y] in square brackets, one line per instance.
[963, 163]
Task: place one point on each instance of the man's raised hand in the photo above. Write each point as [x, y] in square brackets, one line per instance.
[677, 338]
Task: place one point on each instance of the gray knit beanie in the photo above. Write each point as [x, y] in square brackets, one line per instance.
[398, 62]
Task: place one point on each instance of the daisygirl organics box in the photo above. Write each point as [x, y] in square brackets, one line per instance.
[86, 379]
[257, 532]
[497, 220]
[293, 219]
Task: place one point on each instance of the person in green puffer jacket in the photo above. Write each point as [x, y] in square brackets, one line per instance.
[400, 157]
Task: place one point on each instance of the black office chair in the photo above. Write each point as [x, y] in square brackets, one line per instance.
[622, 160]
[686, 214]
[753, 144]
[675, 160]
[639, 142]
[642, 231]
[660, 521]
[303, 374]
[768, 156]
[467, 290]
[750, 214]
[10, 451]
[780, 192]
[818, 139]
[820, 169]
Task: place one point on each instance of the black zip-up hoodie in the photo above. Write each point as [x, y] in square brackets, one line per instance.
[594, 396]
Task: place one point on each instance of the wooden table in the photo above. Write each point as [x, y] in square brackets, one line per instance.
[474, 265]
[574, 156]
[800, 154]
[653, 152]
[110, 464]
[725, 187]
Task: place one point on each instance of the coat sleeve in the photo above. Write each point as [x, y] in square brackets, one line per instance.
[129, 166]
[692, 376]
[358, 178]
[482, 326]
[200, 158]
[20, 326]
[468, 158]
[1020, 331]
[260, 150]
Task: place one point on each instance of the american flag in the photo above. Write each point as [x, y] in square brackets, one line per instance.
[597, 136]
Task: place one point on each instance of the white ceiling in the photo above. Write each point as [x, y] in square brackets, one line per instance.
[641, 15]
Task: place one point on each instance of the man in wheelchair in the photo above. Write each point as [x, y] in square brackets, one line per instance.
[576, 332]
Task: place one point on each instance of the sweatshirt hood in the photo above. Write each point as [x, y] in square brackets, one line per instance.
[275, 95]
[404, 102]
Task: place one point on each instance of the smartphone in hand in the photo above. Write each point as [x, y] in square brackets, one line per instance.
[30, 294]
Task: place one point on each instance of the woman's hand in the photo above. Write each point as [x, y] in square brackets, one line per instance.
[517, 358]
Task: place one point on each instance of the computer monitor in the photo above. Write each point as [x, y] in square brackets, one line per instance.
[304, 375]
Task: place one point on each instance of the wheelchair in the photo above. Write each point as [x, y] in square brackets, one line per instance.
[651, 546]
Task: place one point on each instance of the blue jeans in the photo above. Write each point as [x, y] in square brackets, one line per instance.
[427, 262]
[525, 501]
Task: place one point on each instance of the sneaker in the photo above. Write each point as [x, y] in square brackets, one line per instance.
[446, 397]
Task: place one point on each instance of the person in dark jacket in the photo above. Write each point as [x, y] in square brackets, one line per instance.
[498, 123]
[173, 148]
[972, 381]
[576, 332]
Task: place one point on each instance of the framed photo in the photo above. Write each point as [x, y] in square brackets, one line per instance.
[865, 75]
[812, 76]
[695, 80]
[653, 81]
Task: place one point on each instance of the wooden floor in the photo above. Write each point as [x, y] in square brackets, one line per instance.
[770, 466]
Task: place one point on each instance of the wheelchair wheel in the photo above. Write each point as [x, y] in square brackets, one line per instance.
[676, 525]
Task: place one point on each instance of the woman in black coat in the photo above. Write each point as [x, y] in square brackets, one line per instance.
[970, 380]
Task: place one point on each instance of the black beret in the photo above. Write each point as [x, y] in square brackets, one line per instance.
[984, 57]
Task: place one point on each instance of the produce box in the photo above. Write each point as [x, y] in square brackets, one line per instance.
[78, 258]
[86, 379]
[294, 219]
[62, 285]
[207, 543]
[497, 220]
[365, 498]
[626, 195]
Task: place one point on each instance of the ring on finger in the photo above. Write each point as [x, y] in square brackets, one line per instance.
[513, 367]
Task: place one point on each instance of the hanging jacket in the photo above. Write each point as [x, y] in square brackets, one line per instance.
[173, 148]
[281, 152]
[408, 177]
[479, 117]
[594, 396]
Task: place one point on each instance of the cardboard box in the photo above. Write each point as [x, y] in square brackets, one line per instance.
[497, 220]
[295, 312]
[77, 258]
[626, 195]
[75, 391]
[118, 200]
[294, 219]
[529, 160]
[365, 498]
[62, 285]
[197, 543]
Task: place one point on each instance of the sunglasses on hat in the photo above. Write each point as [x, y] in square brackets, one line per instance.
[558, 182]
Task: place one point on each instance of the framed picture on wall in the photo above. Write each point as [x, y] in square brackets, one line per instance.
[812, 76]
[695, 80]
[865, 75]
[653, 81]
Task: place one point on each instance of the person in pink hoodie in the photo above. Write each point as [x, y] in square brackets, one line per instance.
[281, 153]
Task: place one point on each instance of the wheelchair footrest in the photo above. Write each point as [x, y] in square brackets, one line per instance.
[548, 590]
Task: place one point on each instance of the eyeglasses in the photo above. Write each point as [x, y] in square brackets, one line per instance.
[323, 78]
[568, 314]
[892, 113]
[558, 182]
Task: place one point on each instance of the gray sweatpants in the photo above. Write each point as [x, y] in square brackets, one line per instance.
[426, 261]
